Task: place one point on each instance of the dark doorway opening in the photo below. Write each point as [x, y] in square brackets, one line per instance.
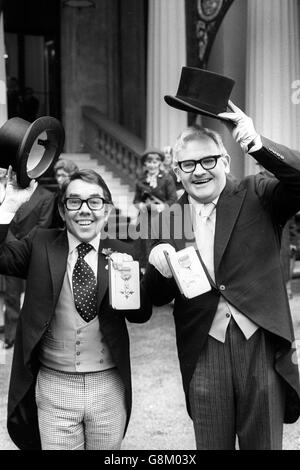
[32, 43]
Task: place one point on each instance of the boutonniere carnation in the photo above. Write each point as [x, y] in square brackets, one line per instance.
[107, 252]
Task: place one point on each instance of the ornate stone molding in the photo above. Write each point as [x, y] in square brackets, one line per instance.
[210, 14]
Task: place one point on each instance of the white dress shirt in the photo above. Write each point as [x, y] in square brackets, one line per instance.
[205, 242]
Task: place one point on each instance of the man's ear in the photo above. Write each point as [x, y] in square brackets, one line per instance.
[61, 212]
[226, 161]
[177, 173]
[107, 210]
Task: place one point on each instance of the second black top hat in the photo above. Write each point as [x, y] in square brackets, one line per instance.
[30, 148]
[202, 92]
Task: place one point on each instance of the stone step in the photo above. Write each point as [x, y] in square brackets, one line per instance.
[75, 157]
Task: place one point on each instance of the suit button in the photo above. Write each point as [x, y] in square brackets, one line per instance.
[222, 287]
[46, 324]
[78, 353]
[77, 342]
[228, 315]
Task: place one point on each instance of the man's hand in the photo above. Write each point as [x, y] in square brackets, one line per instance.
[156, 208]
[158, 260]
[241, 127]
[118, 259]
[15, 196]
[142, 207]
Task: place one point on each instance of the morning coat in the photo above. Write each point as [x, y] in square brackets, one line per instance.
[249, 218]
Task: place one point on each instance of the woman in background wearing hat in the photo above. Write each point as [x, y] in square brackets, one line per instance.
[154, 190]
[62, 169]
[167, 166]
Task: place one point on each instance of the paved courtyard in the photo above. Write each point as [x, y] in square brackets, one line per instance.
[159, 420]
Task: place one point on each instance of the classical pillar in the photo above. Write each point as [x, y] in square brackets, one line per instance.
[273, 71]
[3, 101]
[166, 56]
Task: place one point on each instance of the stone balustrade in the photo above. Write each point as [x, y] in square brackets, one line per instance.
[113, 146]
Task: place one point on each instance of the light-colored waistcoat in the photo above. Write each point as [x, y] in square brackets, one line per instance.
[70, 344]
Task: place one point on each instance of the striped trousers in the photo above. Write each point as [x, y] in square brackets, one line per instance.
[235, 392]
[80, 411]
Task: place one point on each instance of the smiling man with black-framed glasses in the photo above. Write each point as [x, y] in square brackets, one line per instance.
[236, 341]
[70, 386]
[207, 163]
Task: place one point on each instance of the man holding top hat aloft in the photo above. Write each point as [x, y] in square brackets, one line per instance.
[235, 341]
[70, 384]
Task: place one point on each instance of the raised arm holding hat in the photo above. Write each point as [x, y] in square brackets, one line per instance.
[235, 342]
[70, 384]
[242, 128]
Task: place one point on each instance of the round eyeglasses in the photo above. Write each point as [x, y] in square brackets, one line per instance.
[207, 163]
[93, 203]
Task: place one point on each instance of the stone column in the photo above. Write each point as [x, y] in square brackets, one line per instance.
[3, 101]
[273, 71]
[166, 56]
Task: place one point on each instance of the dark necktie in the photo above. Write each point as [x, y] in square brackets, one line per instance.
[84, 285]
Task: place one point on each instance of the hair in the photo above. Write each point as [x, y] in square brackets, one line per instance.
[200, 134]
[67, 165]
[89, 176]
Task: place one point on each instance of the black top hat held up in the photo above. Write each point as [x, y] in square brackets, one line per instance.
[30, 148]
[202, 92]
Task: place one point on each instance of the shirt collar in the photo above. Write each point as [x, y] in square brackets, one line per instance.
[74, 242]
[198, 206]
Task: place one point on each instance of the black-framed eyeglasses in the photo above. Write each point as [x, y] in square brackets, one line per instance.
[94, 203]
[207, 163]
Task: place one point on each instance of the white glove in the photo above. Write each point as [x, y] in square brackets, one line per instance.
[15, 196]
[119, 258]
[243, 131]
[158, 260]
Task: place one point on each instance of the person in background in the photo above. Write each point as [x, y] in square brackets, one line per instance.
[168, 159]
[3, 180]
[236, 343]
[155, 190]
[289, 243]
[167, 166]
[62, 169]
[37, 212]
[30, 105]
[14, 98]
[70, 385]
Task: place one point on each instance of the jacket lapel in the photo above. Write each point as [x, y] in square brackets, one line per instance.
[105, 243]
[102, 278]
[182, 230]
[57, 257]
[228, 209]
